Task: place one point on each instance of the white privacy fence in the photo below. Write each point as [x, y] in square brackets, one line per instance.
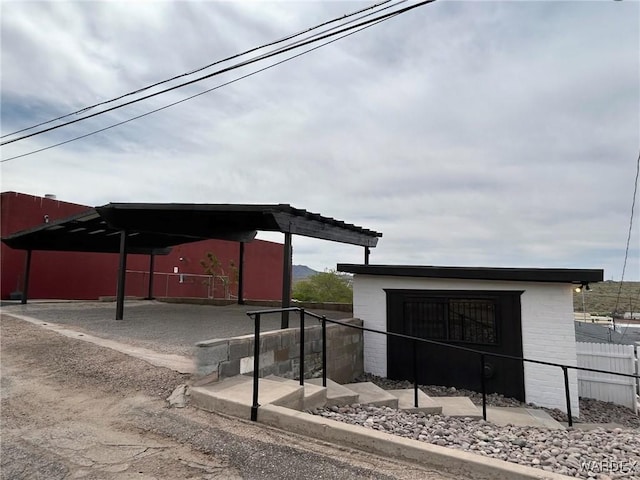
[606, 387]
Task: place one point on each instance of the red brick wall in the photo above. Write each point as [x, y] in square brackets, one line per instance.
[87, 276]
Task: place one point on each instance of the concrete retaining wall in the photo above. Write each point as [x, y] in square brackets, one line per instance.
[280, 354]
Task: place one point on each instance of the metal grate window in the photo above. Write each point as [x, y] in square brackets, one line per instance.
[456, 319]
[472, 320]
[426, 319]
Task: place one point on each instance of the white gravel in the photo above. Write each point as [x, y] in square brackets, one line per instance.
[599, 453]
[591, 411]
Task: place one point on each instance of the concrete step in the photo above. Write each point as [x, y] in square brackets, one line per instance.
[458, 407]
[336, 394]
[315, 396]
[234, 396]
[522, 417]
[406, 401]
[371, 394]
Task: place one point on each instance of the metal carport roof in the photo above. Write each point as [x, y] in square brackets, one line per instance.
[153, 228]
[232, 220]
[88, 232]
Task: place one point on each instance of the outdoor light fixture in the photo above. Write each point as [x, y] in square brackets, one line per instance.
[582, 286]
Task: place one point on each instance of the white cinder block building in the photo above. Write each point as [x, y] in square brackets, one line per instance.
[516, 312]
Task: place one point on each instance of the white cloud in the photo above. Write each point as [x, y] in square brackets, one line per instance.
[469, 133]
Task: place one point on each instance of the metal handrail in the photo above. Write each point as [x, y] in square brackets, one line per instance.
[414, 340]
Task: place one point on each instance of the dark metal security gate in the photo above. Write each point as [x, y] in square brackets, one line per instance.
[483, 320]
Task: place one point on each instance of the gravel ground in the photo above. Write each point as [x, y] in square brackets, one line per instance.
[591, 411]
[599, 453]
[72, 409]
[164, 327]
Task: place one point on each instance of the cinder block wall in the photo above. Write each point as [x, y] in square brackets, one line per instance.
[547, 329]
[280, 354]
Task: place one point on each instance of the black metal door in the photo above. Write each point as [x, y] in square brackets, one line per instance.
[481, 320]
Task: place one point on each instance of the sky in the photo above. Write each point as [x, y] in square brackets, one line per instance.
[493, 134]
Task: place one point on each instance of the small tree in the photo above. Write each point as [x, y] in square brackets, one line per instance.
[213, 266]
[326, 286]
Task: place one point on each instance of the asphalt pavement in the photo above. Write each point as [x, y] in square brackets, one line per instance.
[172, 328]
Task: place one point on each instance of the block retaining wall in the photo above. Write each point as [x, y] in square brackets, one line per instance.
[280, 354]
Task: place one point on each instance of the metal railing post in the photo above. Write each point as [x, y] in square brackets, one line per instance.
[302, 346]
[256, 368]
[483, 385]
[324, 351]
[415, 373]
[565, 370]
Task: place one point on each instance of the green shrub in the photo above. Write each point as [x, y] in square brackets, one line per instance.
[324, 287]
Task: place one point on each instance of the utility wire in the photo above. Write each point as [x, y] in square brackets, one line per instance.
[333, 28]
[626, 252]
[246, 52]
[224, 70]
[203, 92]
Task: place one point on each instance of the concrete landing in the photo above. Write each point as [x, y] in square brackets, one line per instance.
[371, 394]
[458, 407]
[406, 402]
[522, 417]
[234, 396]
[336, 394]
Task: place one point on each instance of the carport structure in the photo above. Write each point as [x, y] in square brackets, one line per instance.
[153, 228]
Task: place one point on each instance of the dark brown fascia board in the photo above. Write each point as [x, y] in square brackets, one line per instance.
[555, 275]
[308, 227]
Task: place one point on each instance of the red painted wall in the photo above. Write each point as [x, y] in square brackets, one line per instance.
[87, 276]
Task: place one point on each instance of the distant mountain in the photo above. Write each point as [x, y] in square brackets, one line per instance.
[300, 272]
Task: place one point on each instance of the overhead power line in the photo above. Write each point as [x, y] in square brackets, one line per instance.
[228, 69]
[363, 27]
[626, 251]
[217, 62]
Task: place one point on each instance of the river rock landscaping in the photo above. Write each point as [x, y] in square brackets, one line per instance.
[591, 411]
[600, 453]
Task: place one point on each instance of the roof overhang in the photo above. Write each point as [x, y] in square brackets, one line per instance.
[235, 221]
[556, 275]
[87, 232]
[155, 227]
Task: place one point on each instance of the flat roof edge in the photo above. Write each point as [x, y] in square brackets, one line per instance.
[557, 275]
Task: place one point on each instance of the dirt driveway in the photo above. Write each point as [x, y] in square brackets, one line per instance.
[71, 409]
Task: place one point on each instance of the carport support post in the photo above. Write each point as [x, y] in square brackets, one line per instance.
[152, 258]
[367, 252]
[241, 274]
[25, 286]
[122, 270]
[286, 279]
